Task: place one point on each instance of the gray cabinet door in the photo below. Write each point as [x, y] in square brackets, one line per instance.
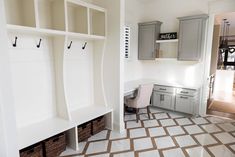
[163, 100]
[184, 104]
[147, 46]
[191, 37]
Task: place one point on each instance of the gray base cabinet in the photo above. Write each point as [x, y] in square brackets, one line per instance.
[148, 34]
[176, 99]
[192, 37]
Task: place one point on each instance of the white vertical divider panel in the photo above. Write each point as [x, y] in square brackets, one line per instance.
[89, 21]
[99, 95]
[36, 13]
[59, 44]
[66, 16]
[8, 134]
[72, 138]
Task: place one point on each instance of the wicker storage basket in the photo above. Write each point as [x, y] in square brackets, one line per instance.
[98, 125]
[33, 151]
[54, 146]
[84, 131]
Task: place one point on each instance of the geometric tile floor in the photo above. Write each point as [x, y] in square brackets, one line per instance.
[166, 134]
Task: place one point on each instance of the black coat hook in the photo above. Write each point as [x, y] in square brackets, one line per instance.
[84, 46]
[39, 44]
[70, 45]
[15, 43]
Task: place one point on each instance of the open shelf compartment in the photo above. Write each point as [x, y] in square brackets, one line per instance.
[20, 12]
[40, 131]
[51, 14]
[77, 18]
[97, 22]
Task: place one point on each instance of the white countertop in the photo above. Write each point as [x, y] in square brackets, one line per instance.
[130, 86]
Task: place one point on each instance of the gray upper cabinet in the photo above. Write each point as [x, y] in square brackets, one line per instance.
[148, 34]
[192, 37]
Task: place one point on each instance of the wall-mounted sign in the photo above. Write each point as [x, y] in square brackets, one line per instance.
[168, 36]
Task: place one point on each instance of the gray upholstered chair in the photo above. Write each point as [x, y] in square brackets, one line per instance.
[141, 100]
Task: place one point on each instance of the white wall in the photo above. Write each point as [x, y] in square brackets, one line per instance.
[79, 88]
[8, 142]
[133, 10]
[189, 72]
[33, 79]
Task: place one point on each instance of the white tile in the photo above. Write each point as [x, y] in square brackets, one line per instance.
[161, 116]
[173, 153]
[69, 151]
[175, 115]
[225, 138]
[143, 143]
[150, 123]
[97, 147]
[120, 145]
[127, 154]
[143, 110]
[183, 121]
[152, 153]
[102, 155]
[233, 147]
[211, 128]
[155, 110]
[193, 129]
[200, 120]
[100, 136]
[175, 130]
[197, 152]
[117, 135]
[158, 131]
[216, 120]
[227, 127]
[164, 142]
[185, 141]
[133, 124]
[205, 139]
[137, 133]
[130, 117]
[233, 133]
[81, 146]
[167, 122]
[145, 116]
[221, 151]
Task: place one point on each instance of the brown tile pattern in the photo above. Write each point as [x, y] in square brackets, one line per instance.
[166, 134]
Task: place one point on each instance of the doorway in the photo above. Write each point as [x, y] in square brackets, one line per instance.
[221, 99]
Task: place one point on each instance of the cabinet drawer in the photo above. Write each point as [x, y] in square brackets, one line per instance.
[164, 89]
[183, 91]
[184, 104]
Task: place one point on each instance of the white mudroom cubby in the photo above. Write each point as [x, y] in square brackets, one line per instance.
[77, 18]
[20, 12]
[56, 57]
[51, 14]
[97, 22]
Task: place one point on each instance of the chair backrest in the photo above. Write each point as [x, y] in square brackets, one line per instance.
[143, 96]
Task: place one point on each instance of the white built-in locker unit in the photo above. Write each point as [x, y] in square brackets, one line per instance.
[58, 81]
